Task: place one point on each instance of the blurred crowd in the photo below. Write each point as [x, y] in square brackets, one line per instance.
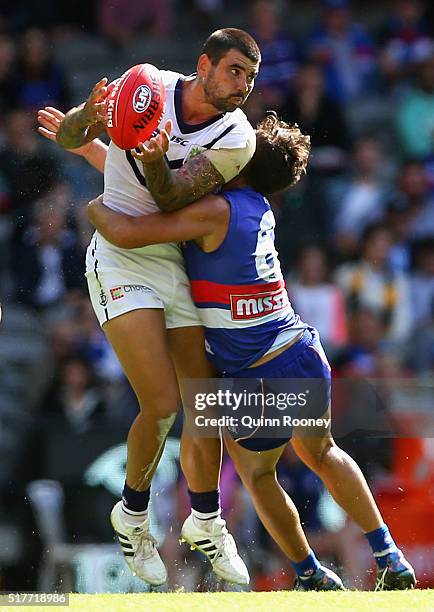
[356, 236]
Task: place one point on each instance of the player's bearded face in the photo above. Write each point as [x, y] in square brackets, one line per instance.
[225, 98]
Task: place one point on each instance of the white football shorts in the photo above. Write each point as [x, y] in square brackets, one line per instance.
[121, 280]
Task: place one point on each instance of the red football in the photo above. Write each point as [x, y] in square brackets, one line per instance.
[135, 105]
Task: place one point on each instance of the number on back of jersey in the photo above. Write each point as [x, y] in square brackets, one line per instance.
[266, 256]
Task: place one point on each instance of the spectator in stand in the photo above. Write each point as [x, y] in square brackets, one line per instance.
[317, 300]
[404, 39]
[122, 20]
[421, 348]
[27, 170]
[8, 75]
[75, 397]
[42, 82]
[319, 116]
[278, 52]
[345, 51]
[422, 281]
[94, 345]
[358, 359]
[48, 266]
[415, 117]
[308, 211]
[72, 416]
[372, 283]
[361, 414]
[398, 221]
[8, 101]
[362, 197]
[410, 210]
[207, 13]
[25, 14]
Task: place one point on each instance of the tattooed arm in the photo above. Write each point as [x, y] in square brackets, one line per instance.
[175, 189]
[85, 122]
[94, 152]
[201, 175]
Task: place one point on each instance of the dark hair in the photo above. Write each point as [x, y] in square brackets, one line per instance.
[221, 41]
[421, 247]
[408, 162]
[372, 229]
[281, 156]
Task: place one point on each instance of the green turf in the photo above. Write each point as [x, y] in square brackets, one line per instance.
[252, 602]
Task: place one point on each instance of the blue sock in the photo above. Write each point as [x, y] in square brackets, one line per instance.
[382, 544]
[135, 501]
[307, 567]
[205, 506]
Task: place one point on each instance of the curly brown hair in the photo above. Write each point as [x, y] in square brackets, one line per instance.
[281, 156]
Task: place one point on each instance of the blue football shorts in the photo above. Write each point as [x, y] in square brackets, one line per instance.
[301, 373]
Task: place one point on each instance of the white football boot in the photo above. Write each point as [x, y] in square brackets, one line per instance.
[139, 548]
[216, 543]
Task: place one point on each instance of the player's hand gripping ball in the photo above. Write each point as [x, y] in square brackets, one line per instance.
[134, 106]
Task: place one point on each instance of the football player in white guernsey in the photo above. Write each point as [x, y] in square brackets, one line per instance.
[142, 297]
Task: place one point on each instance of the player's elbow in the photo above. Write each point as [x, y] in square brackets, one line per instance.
[123, 238]
[164, 202]
[172, 204]
[174, 199]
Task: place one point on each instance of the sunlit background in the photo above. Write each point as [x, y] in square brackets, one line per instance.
[356, 240]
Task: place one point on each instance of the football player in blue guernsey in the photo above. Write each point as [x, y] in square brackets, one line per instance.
[252, 332]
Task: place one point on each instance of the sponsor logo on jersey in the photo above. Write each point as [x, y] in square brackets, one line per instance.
[139, 288]
[178, 140]
[116, 293]
[119, 292]
[142, 98]
[255, 305]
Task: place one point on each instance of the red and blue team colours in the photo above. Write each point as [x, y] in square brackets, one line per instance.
[239, 288]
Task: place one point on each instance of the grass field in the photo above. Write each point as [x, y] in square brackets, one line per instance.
[252, 602]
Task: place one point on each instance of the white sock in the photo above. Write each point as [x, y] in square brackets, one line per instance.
[133, 518]
[203, 519]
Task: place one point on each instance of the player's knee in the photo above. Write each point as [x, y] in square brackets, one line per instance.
[258, 479]
[328, 446]
[164, 424]
[154, 409]
[318, 453]
[160, 422]
[195, 446]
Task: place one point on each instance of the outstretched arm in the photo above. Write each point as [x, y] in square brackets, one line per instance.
[85, 122]
[94, 152]
[199, 220]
